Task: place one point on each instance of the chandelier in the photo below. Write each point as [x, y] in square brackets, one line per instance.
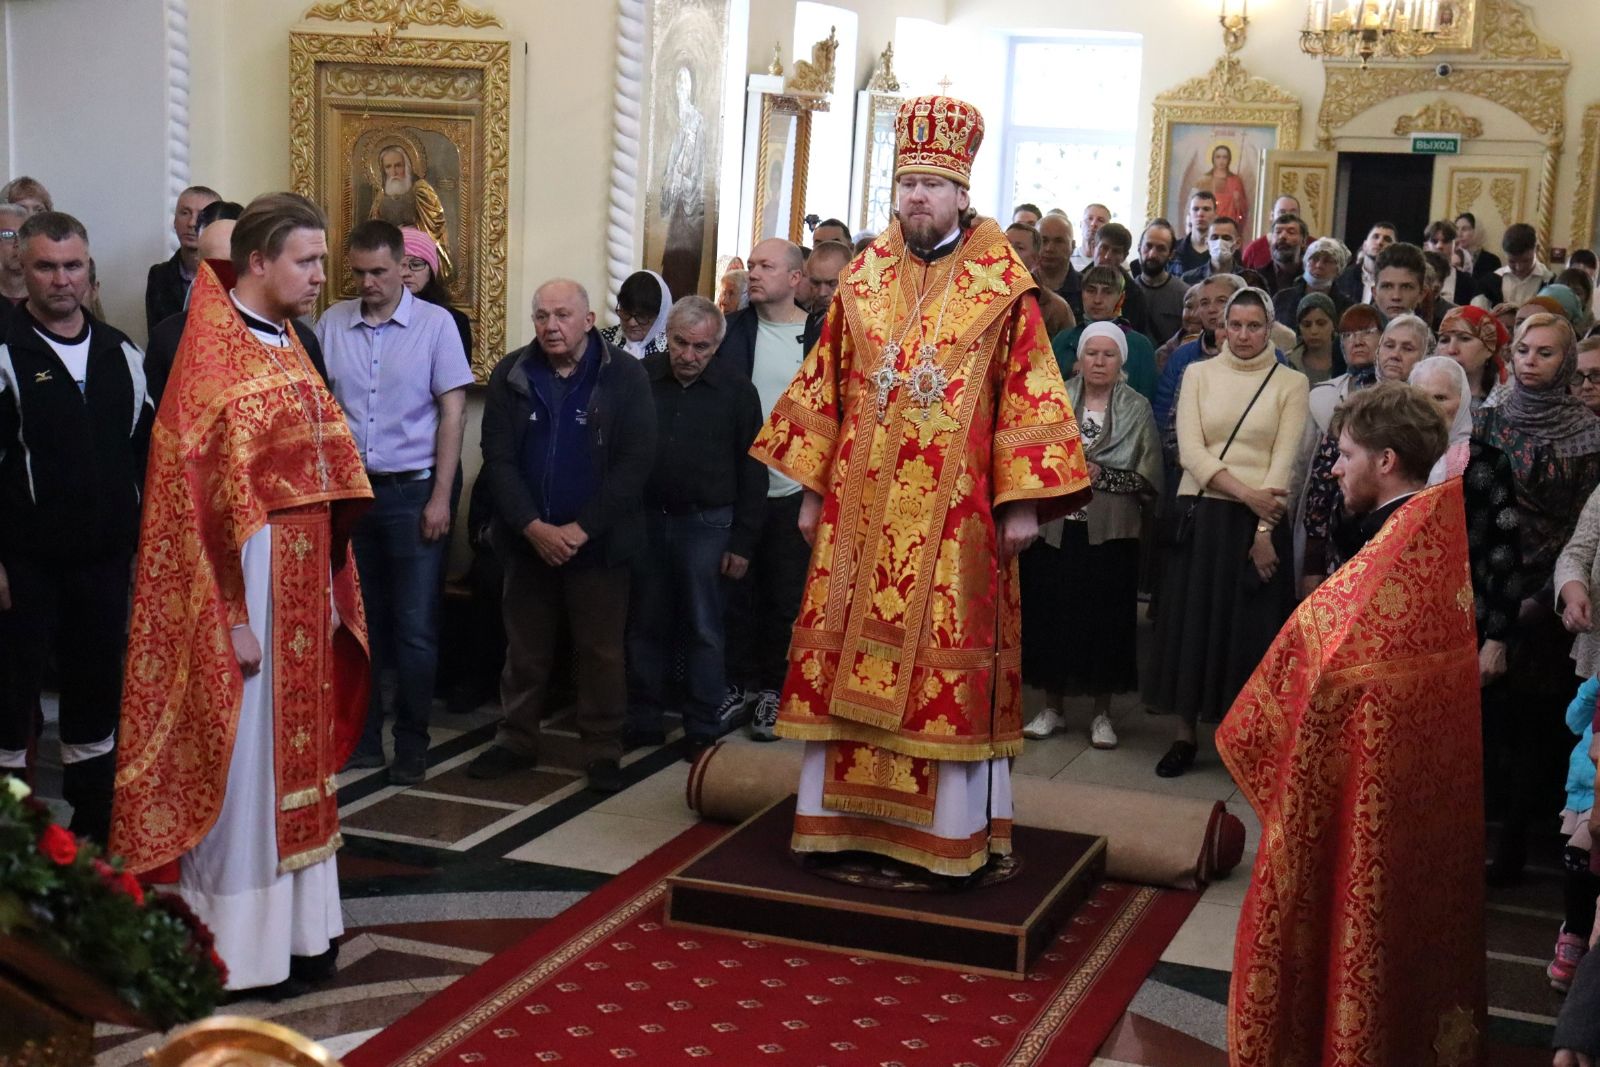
[1400, 29]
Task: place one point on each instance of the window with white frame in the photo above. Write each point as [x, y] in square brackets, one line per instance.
[1071, 109]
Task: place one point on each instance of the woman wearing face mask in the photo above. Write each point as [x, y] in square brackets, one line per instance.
[1227, 586]
[1092, 556]
[1553, 444]
[1476, 340]
[1325, 259]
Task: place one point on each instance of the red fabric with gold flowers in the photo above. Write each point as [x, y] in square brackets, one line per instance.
[909, 633]
[237, 445]
[1357, 743]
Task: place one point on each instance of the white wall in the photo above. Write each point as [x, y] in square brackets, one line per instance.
[87, 115]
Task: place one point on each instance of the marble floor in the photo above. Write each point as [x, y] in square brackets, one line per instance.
[439, 877]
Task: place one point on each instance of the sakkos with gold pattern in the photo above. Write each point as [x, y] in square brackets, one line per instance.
[930, 404]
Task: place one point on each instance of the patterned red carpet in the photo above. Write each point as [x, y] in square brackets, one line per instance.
[608, 980]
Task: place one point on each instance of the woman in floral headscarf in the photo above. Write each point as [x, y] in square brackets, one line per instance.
[1553, 445]
[1476, 339]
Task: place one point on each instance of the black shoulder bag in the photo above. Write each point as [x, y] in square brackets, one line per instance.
[1186, 517]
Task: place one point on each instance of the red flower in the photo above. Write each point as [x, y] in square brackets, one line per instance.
[58, 845]
[129, 885]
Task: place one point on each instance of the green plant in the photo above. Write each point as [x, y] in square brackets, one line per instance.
[64, 896]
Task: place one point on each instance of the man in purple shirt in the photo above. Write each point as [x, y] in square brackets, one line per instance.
[397, 368]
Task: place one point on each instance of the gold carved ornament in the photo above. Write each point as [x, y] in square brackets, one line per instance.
[1228, 95]
[421, 69]
[1467, 192]
[1515, 68]
[1441, 116]
[812, 79]
[1583, 206]
[392, 17]
[883, 79]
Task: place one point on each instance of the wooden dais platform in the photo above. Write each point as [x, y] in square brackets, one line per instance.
[749, 884]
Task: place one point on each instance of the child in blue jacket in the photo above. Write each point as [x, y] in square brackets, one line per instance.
[1581, 885]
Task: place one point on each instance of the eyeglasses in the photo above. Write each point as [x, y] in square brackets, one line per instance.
[1591, 377]
[635, 317]
[8, 235]
[411, 263]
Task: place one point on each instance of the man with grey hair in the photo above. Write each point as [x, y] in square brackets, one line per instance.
[703, 507]
[568, 440]
[1325, 260]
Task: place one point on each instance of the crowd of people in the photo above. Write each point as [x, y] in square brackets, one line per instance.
[1251, 497]
[642, 559]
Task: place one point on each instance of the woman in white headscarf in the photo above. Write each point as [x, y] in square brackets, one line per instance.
[642, 306]
[1080, 582]
[1444, 380]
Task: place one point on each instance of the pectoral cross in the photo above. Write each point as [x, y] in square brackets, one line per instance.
[926, 380]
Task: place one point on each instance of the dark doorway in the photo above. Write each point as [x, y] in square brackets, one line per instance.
[1393, 187]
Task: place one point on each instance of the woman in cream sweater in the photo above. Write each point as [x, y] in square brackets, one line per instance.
[1228, 585]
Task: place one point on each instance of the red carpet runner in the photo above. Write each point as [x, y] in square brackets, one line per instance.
[609, 981]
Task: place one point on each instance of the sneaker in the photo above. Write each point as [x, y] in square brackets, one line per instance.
[734, 711]
[1570, 950]
[1101, 735]
[497, 761]
[1042, 725]
[605, 776]
[765, 717]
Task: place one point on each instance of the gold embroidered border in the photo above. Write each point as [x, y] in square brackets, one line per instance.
[1047, 434]
[301, 860]
[826, 640]
[842, 797]
[1036, 1041]
[955, 659]
[841, 833]
[300, 798]
[914, 745]
[811, 421]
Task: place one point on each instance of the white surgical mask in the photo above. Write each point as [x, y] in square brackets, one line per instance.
[1221, 247]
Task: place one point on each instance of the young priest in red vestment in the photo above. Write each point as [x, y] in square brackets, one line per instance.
[932, 432]
[246, 672]
[1357, 743]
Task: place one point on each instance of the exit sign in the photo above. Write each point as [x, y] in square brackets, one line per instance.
[1436, 144]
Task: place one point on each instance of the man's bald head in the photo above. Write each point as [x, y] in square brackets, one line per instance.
[562, 319]
[561, 290]
[786, 253]
[776, 270]
[1055, 245]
